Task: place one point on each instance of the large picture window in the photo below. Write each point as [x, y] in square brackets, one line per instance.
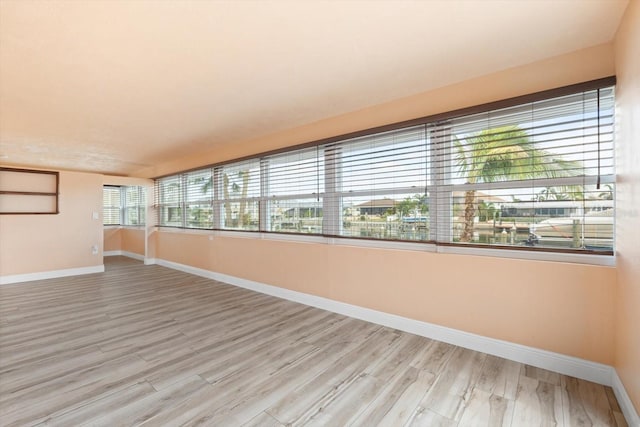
[135, 202]
[382, 185]
[539, 174]
[198, 199]
[124, 205]
[294, 186]
[240, 195]
[532, 173]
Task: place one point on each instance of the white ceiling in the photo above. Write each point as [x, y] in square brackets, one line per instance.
[116, 86]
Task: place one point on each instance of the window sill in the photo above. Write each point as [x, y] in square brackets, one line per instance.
[590, 259]
[575, 258]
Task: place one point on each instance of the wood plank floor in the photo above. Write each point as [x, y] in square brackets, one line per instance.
[146, 345]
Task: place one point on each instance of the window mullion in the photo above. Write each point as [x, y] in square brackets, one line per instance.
[440, 216]
[217, 198]
[264, 222]
[183, 199]
[332, 201]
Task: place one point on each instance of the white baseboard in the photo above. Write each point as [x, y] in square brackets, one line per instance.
[28, 277]
[628, 410]
[567, 365]
[124, 253]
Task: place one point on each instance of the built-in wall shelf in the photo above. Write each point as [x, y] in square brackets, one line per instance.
[28, 191]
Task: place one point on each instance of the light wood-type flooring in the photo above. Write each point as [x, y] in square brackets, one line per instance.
[147, 345]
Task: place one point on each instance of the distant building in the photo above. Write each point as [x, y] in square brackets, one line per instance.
[377, 206]
[304, 209]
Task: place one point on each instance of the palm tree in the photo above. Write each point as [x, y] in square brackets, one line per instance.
[227, 185]
[503, 154]
[563, 192]
[406, 206]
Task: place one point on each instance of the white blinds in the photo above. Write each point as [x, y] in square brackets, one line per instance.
[240, 195]
[134, 208]
[111, 205]
[124, 205]
[539, 174]
[198, 198]
[535, 174]
[293, 186]
[380, 185]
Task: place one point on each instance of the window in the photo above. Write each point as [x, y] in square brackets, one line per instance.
[199, 199]
[240, 195]
[535, 173]
[135, 202]
[123, 205]
[170, 201]
[111, 205]
[538, 174]
[294, 191]
[382, 185]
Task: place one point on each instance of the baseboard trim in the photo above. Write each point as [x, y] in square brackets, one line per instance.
[124, 253]
[628, 410]
[29, 277]
[567, 365]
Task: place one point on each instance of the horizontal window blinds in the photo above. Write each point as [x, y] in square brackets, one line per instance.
[531, 174]
[380, 185]
[294, 188]
[198, 198]
[534, 174]
[124, 205]
[111, 205]
[170, 201]
[240, 195]
[134, 205]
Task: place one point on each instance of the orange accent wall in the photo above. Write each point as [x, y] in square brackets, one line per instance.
[112, 239]
[627, 326]
[133, 240]
[124, 239]
[39, 243]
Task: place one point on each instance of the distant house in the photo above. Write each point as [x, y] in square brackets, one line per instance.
[377, 206]
[304, 209]
[554, 208]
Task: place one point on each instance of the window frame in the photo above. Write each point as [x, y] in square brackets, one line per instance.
[124, 206]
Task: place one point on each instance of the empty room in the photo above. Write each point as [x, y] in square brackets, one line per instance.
[332, 213]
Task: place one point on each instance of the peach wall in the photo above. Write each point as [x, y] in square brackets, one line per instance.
[112, 239]
[124, 239]
[561, 307]
[583, 65]
[40, 243]
[627, 354]
[133, 240]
